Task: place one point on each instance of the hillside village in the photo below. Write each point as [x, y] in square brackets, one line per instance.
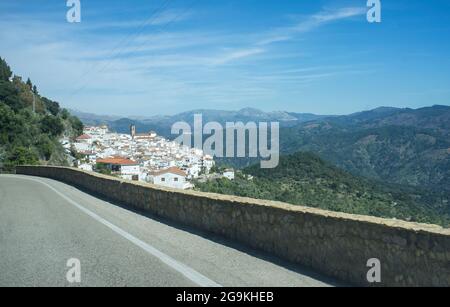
[144, 157]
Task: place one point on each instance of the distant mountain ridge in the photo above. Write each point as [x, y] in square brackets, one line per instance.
[403, 146]
[163, 123]
[93, 119]
[400, 146]
[382, 116]
[436, 117]
[222, 116]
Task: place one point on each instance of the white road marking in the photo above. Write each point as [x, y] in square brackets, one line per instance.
[188, 272]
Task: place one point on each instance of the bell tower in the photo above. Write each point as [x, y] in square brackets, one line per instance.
[133, 131]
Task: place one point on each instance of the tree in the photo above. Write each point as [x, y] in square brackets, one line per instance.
[5, 70]
[52, 125]
[214, 169]
[77, 126]
[10, 95]
[102, 169]
[65, 114]
[51, 106]
[45, 146]
[10, 124]
[30, 85]
[21, 156]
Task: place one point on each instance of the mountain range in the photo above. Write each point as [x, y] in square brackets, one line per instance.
[401, 146]
[163, 123]
[394, 145]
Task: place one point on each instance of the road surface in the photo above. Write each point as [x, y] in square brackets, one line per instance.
[44, 223]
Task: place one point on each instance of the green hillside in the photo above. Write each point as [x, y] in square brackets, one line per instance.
[399, 146]
[305, 179]
[410, 147]
[28, 137]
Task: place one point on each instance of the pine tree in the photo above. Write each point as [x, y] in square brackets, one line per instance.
[5, 70]
[30, 85]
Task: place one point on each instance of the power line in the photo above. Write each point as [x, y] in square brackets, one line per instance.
[127, 39]
[162, 30]
[123, 44]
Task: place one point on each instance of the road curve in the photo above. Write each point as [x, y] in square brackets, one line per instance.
[44, 223]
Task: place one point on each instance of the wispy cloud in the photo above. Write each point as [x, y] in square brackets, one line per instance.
[342, 13]
[273, 39]
[170, 16]
[311, 23]
[236, 55]
[158, 19]
[287, 33]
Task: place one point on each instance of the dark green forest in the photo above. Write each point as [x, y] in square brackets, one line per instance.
[30, 136]
[305, 179]
[412, 149]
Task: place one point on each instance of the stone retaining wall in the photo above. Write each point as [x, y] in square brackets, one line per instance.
[336, 244]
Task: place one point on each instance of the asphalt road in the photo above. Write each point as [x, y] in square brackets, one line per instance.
[44, 223]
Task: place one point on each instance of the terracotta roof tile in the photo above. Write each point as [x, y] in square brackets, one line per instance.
[84, 137]
[117, 161]
[173, 170]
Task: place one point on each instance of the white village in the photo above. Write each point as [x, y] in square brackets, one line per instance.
[144, 157]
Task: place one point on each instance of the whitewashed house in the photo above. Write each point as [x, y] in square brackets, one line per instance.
[193, 171]
[208, 163]
[82, 147]
[124, 168]
[85, 138]
[107, 152]
[229, 174]
[172, 178]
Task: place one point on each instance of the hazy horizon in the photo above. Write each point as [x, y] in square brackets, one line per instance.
[131, 116]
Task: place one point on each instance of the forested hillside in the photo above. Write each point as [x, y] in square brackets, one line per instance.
[27, 136]
[400, 146]
[410, 147]
[305, 179]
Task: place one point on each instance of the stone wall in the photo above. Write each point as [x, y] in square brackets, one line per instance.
[335, 244]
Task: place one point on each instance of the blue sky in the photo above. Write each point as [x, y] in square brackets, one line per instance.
[148, 57]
